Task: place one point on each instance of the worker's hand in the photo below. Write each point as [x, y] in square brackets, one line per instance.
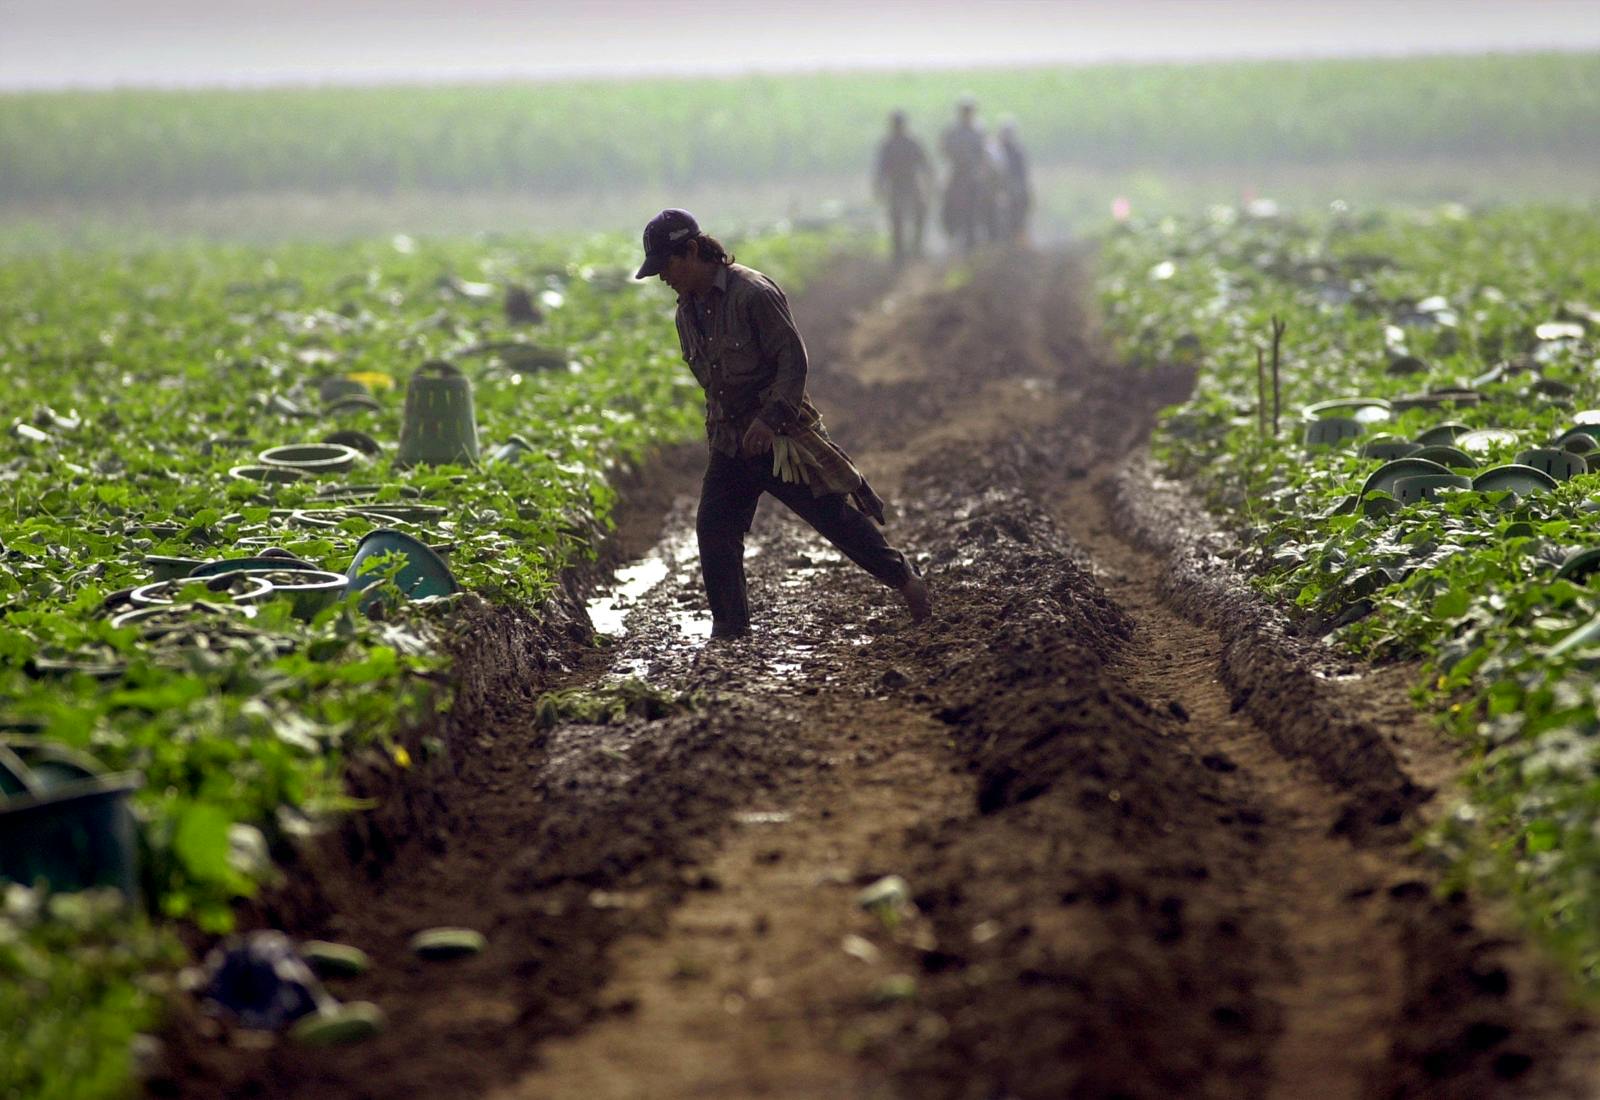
[757, 439]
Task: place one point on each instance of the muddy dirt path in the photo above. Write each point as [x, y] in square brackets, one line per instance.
[1152, 845]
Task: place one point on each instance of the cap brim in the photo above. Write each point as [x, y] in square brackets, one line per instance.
[652, 266]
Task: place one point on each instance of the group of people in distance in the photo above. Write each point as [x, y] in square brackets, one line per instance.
[986, 194]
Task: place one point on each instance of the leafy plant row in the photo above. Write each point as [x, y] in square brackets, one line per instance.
[136, 384]
[676, 132]
[1498, 307]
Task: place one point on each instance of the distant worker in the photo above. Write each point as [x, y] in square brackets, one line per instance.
[967, 191]
[902, 180]
[765, 436]
[1014, 195]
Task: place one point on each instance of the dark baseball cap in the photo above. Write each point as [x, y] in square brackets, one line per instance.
[665, 230]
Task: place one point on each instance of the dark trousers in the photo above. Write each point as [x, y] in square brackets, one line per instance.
[728, 497]
[907, 215]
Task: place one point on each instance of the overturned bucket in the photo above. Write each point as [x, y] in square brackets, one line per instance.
[439, 426]
[64, 819]
[424, 573]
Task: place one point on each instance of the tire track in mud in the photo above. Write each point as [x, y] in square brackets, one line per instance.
[1149, 853]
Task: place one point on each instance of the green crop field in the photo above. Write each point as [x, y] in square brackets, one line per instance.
[145, 375]
[581, 136]
[1489, 580]
[138, 384]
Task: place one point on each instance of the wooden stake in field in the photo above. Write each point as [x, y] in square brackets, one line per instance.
[1278, 329]
[1261, 391]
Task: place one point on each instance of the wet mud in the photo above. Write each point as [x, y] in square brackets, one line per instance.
[1154, 843]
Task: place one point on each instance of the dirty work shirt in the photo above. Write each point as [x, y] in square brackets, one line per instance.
[740, 341]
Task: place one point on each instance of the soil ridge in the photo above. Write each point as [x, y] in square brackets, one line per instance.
[1120, 878]
[1279, 678]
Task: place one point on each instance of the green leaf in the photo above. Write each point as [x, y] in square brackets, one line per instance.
[1452, 604]
[200, 841]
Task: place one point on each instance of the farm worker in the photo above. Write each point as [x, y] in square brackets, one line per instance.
[901, 181]
[1014, 193]
[765, 436]
[967, 190]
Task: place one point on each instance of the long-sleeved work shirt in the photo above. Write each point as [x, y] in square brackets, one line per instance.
[740, 341]
[964, 147]
[902, 167]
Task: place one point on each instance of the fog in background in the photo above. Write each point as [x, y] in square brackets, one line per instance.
[107, 43]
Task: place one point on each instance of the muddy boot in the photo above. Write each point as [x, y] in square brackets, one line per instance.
[918, 601]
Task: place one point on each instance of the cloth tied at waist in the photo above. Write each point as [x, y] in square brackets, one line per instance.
[803, 454]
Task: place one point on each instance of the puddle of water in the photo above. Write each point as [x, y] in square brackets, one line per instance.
[693, 624]
[607, 611]
[763, 817]
[636, 668]
[1338, 677]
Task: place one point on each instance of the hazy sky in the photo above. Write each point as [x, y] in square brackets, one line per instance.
[97, 43]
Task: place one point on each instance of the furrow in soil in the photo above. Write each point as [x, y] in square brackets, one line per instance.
[1098, 830]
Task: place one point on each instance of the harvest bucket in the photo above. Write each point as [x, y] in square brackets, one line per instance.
[359, 441]
[311, 458]
[439, 426]
[64, 820]
[1418, 487]
[332, 389]
[257, 564]
[354, 403]
[1330, 431]
[1559, 464]
[424, 574]
[1521, 480]
[1580, 566]
[1452, 458]
[166, 568]
[1388, 448]
[311, 589]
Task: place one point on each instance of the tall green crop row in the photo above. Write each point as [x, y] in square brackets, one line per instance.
[134, 384]
[673, 133]
[1378, 306]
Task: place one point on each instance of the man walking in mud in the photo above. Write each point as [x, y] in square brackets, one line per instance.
[765, 436]
[900, 181]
